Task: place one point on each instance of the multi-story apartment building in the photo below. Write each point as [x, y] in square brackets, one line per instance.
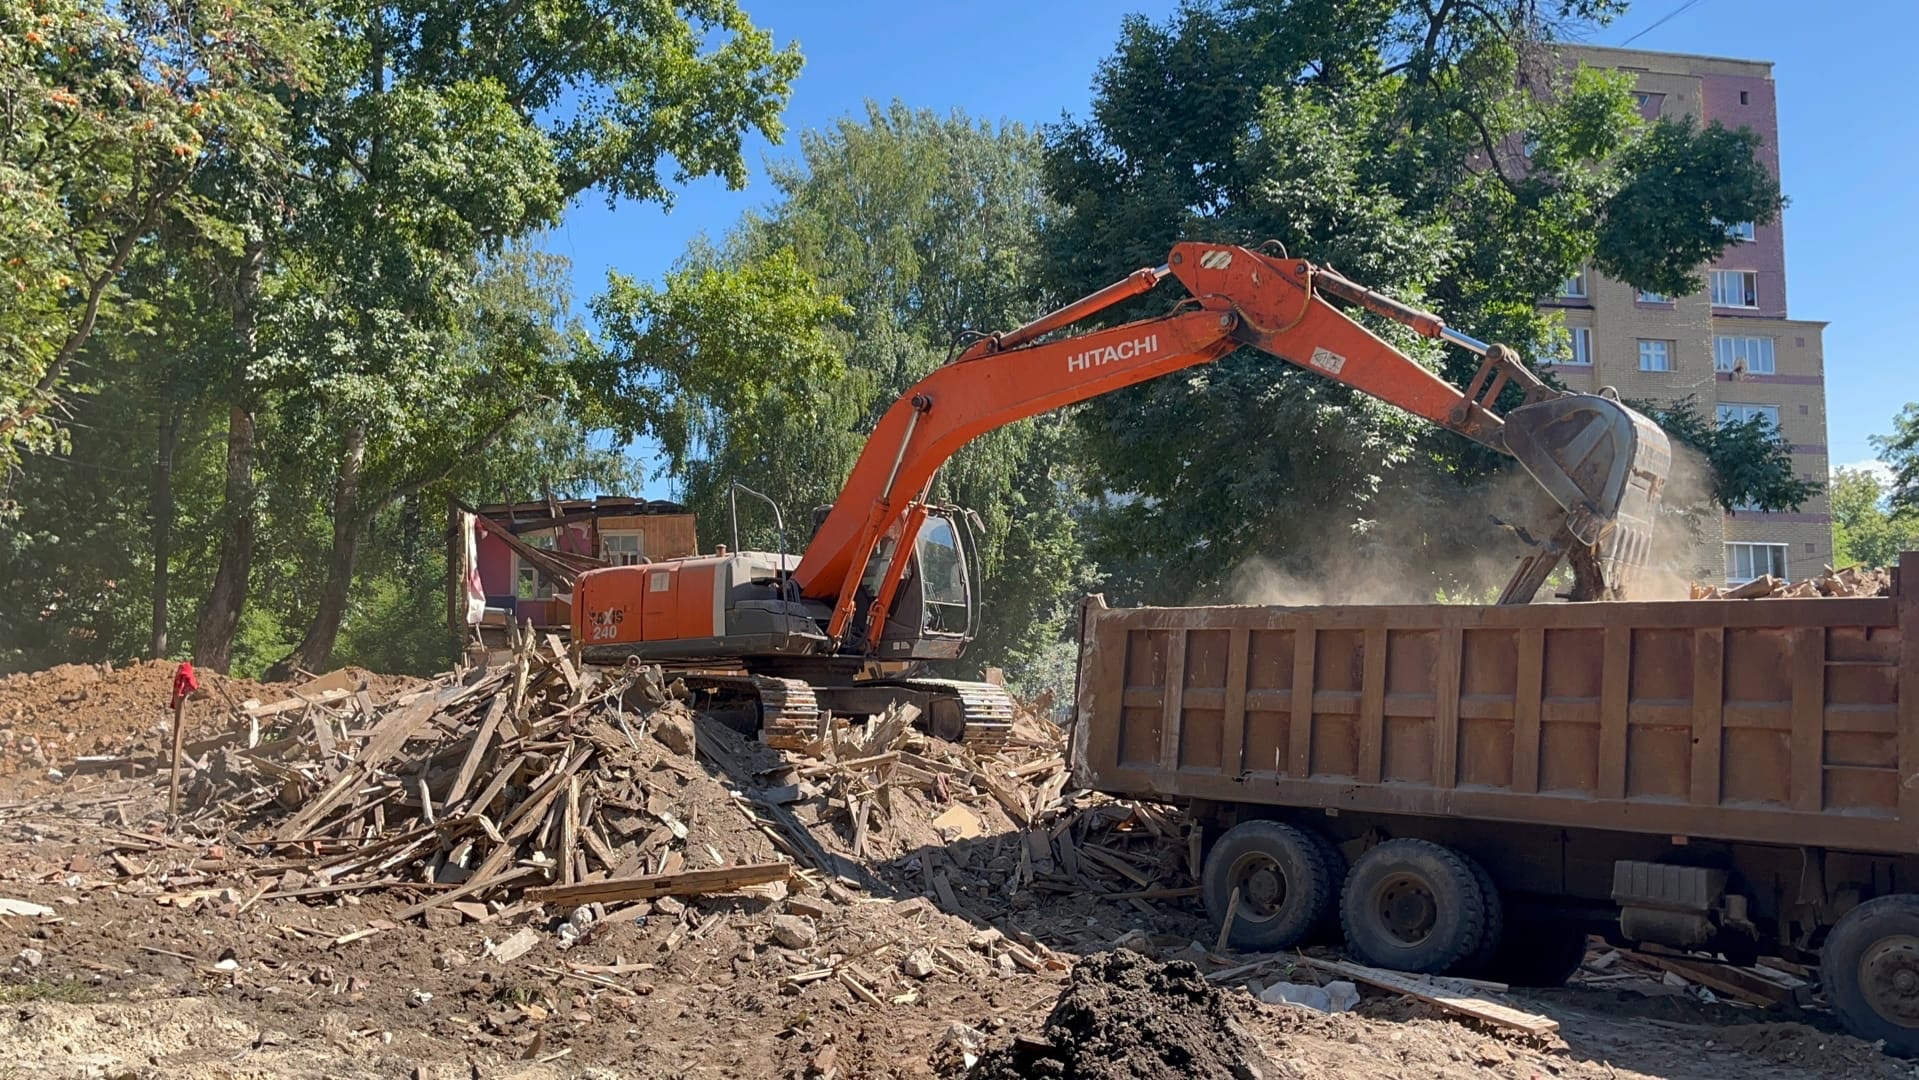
[1732, 347]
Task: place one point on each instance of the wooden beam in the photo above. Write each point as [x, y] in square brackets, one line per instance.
[685, 883]
[1439, 993]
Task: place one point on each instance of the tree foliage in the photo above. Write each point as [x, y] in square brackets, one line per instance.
[301, 232]
[1444, 153]
[1900, 452]
[1749, 462]
[113, 115]
[1866, 530]
[1681, 185]
[925, 227]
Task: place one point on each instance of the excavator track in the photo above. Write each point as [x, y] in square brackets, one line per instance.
[984, 719]
[978, 715]
[784, 712]
[789, 712]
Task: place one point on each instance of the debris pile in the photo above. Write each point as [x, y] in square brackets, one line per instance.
[1124, 1017]
[541, 782]
[532, 781]
[983, 832]
[1851, 581]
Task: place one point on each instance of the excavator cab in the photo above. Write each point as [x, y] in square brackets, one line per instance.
[932, 613]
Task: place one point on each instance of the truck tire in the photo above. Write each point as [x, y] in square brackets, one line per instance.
[1869, 967]
[1286, 884]
[1326, 931]
[1495, 934]
[1412, 905]
[1538, 952]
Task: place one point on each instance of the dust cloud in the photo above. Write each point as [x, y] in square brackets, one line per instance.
[1464, 547]
[1458, 547]
[1680, 552]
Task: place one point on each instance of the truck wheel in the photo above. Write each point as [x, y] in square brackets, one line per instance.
[1539, 952]
[1495, 933]
[1870, 970]
[1286, 884]
[1412, 905]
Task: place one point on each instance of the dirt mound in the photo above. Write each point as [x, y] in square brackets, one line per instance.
[50, 717]
[1124, 1017]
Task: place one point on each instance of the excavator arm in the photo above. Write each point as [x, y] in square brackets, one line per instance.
[1602, 462]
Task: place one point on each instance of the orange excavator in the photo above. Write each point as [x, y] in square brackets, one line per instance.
[886, 581]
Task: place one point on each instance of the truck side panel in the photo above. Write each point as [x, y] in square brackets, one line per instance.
[1773, 721]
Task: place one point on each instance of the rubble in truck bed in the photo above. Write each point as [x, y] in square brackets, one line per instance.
[1851, 581]
[535, 871]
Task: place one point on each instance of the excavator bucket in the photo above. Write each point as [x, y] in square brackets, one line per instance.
[1605, 464]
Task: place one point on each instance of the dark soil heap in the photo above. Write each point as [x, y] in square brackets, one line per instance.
[1124, 1017]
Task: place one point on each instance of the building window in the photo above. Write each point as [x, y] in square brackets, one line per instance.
[1732, 413]
[1575, 286]
[1581, 352]
[1752, 355]
[531, 584]
[1647, 296]
[1740, 232]
[1744, 562]
[1745, 97]
[1655, 356]
[623, 548]
[1735, 288]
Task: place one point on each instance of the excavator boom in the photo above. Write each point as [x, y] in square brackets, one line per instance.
[1603, 463]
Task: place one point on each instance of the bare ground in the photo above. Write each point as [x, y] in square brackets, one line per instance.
[156, 965]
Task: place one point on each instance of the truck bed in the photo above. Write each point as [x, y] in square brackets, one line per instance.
[1766, 721]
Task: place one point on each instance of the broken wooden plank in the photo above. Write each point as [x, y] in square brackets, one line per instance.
[394, 729]
[478, 884]
[1740, 984]
[292, 703]
[475, 753]
[1446, 997]
[686, 883]
[322, 730]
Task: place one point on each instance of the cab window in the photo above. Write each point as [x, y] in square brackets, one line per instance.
[941, 567]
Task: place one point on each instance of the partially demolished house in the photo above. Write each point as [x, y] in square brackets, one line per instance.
[494, 556]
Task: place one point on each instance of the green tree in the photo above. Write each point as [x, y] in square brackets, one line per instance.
[1900, 451]
[114, 115]
[927, 227]
[1749, 461]
[1865, 530]
[1441, 152]
[435, 136]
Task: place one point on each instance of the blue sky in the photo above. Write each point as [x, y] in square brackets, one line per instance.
[1849, 143]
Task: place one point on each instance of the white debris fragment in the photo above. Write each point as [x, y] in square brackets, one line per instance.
[1335, 997]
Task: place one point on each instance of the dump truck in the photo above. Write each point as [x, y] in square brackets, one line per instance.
[1475, 789]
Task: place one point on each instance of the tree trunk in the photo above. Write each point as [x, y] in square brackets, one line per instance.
[315, 650]
[220, 618]
[160, 511]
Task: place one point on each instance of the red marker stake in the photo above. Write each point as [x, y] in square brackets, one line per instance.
[184, 683]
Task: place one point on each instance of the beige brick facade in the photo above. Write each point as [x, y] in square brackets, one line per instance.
[1626, 334]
